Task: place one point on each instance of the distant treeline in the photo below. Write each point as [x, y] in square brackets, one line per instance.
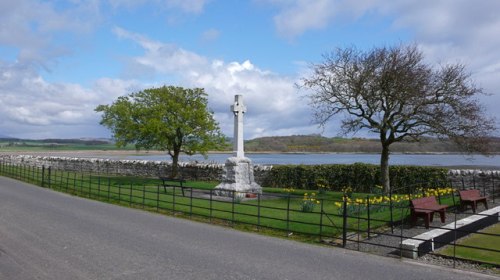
[29, 142]
[318, 143]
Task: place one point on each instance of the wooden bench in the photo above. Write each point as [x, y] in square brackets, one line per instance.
[472, 197]
[425, 207]
[166, 182]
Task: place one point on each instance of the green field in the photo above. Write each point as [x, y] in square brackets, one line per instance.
[481, 242]
[34, 146]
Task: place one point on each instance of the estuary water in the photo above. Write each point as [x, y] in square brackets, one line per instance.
[444, 160]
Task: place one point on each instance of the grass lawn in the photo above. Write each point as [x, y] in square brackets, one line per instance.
[481, 241]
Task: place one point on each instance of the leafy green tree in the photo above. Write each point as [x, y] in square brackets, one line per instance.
[172, 119]
[392, 92]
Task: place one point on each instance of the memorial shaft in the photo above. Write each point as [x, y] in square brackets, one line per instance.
[239, 110]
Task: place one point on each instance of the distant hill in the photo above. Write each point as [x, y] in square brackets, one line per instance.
[318, 143]
[51, 144]
[278, 144]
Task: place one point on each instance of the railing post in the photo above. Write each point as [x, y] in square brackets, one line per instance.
[344, 222]
[81, 181]
[391, 209]
[130, 195]
[158, 199]
[90, 185]
[232, 209]
[43, 176]
[288, 216]
[258, 210]
[98, 185]
[359, 225]
[143, 196]
[321, 221]
[190, 202]
[368, 215]
[173, 199]
[109, 187]
[211, 207]
[401, 233]
[50, 173]
[455, 239]
[493, 193]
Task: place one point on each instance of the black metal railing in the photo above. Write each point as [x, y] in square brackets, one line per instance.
[358, 224]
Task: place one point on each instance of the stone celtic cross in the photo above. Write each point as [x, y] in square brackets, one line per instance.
[238, 109]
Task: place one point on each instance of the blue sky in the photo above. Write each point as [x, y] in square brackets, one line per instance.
[60, 59]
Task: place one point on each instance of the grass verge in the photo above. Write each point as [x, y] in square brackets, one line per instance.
[482, 247]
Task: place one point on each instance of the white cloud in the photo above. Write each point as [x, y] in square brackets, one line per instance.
[161, 57]
[34, 108]
[187, 6]
[274, 106]
[27, 101]
[30, 27]
[301, 15]
[295, 17]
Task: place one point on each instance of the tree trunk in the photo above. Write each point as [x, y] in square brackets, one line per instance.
[177, 144]
[175, 165]
[384, 169]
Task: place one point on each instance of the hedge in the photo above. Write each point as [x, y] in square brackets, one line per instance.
[359, 176]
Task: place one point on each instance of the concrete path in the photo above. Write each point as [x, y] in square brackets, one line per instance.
[50, 235]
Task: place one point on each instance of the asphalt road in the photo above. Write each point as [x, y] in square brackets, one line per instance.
[50, 235]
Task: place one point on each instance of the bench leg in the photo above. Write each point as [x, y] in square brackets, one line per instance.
[463, 206]
[442, 214]
[474, 207]
[485, 202]
[427, 218]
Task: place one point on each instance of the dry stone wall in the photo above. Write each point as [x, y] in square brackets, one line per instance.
[144, 168]
[488, 181]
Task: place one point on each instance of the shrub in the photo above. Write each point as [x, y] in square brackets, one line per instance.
[361, 177]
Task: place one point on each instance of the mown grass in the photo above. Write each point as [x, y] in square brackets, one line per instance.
[483, 242]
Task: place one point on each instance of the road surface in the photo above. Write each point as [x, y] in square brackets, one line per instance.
[50, 235]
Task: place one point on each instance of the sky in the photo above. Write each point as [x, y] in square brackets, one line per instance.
[60, 59]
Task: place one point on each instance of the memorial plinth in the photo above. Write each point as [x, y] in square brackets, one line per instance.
[238, 179]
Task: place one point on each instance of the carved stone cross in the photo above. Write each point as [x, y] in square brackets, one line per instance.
[238, 108]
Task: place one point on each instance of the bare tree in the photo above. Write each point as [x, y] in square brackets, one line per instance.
[392, 92]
